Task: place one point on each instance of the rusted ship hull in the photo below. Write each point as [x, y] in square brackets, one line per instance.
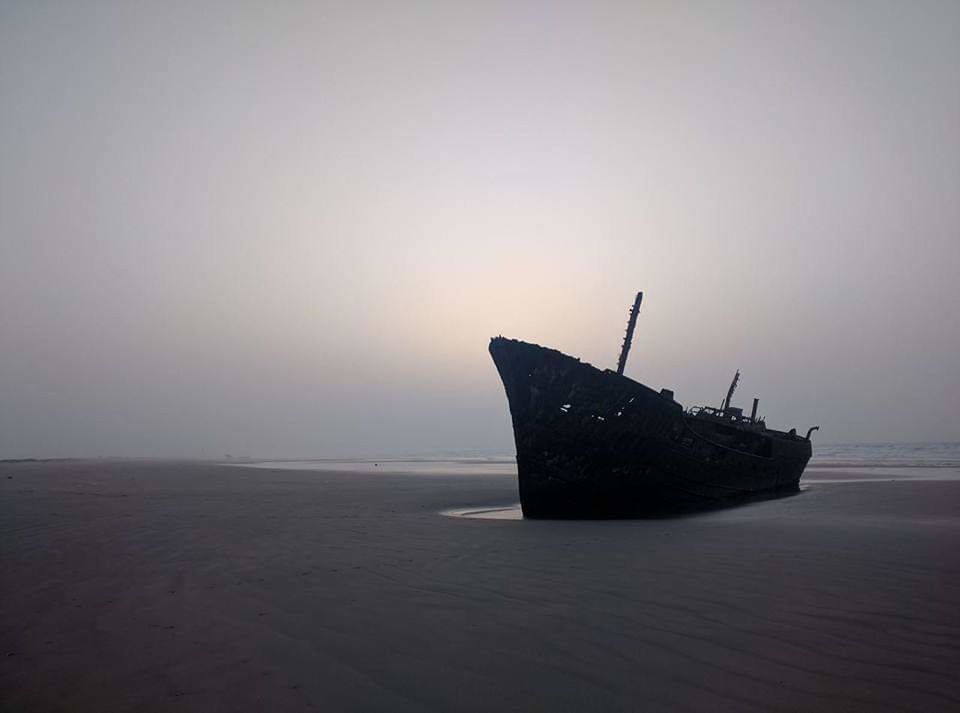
[593, 443]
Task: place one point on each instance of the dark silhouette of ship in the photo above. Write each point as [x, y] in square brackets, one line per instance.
[595, 443]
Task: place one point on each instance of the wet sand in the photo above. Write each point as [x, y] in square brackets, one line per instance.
[139, 586]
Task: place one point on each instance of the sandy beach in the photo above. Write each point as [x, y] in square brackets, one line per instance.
[158, 586]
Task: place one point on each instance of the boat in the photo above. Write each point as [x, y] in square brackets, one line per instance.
[593, 443]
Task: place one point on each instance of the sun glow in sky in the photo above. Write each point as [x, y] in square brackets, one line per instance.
[290, 230]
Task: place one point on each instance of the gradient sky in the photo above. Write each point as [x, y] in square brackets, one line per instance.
[289, 229]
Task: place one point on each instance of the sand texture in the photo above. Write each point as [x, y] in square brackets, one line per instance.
[140, 586]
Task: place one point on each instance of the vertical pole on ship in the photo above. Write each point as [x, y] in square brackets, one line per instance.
[628, 337]
[733, 387]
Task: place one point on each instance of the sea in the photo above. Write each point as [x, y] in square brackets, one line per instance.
[884, 457]
[891, 455]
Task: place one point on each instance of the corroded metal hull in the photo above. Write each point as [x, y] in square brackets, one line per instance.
[593, 443]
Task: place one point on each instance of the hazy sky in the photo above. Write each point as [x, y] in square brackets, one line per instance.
[285, 229]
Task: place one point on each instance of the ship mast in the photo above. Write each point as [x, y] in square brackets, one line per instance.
[733, 387]
[628, 337]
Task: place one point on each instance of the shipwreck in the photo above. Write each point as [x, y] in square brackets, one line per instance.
[594, 443]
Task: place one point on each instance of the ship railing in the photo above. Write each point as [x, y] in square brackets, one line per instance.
[719, 414]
